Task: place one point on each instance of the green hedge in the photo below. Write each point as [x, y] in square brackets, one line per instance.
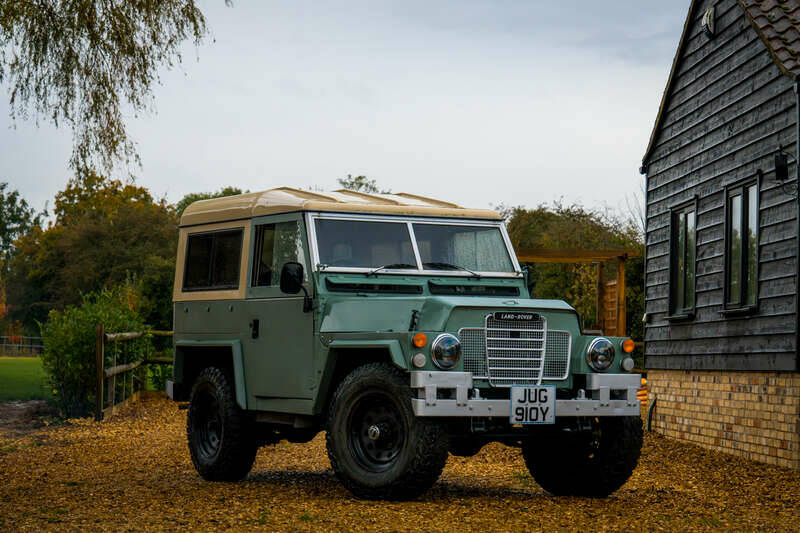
[70, 344]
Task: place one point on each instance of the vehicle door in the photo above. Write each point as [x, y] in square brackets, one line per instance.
[278, 339]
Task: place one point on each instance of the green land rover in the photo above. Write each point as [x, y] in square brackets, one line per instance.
[401, 326]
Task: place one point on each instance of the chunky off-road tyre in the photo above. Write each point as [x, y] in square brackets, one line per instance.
[221, 437]
[464, 447]
[591, 463]
[377, 447]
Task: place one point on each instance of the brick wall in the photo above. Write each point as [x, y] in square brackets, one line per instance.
[755, 415]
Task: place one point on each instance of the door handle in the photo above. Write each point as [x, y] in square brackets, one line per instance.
[254, 328]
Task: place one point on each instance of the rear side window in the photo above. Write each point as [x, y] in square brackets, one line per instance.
[213, 260]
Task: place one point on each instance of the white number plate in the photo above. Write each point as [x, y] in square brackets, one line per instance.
[533, 405]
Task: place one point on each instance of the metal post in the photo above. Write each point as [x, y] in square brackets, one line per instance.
[100, 355]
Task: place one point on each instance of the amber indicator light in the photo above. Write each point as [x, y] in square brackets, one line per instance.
[628, 345]
[420, 340]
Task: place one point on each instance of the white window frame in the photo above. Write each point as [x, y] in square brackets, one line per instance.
[312, 217]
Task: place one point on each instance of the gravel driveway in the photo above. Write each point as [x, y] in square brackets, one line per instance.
[133, 473]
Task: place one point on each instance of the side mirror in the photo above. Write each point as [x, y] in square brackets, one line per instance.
[292, 278]
[292, 283]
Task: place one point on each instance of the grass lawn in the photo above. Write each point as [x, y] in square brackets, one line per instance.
[22, 378]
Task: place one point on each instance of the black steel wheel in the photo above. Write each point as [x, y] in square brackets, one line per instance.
[376, 431]
[208, 424]
[220, 435]
[594, 459]
[377, 447]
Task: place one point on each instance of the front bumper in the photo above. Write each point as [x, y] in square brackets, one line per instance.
[468, 403]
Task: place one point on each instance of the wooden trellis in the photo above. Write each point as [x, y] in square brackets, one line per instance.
[611, 321]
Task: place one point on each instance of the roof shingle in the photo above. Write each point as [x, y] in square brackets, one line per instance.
[778, 24]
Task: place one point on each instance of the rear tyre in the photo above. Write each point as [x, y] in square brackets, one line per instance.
[378, 448]
[591, 463]
[222, 440]
[465, 447]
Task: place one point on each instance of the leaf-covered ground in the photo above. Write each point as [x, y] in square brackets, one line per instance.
[133, 472]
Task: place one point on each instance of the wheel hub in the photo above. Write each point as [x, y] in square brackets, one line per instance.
[377, 433]
[374, 432]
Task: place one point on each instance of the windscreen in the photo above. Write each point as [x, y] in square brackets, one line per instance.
[452, 247]
[357, 243]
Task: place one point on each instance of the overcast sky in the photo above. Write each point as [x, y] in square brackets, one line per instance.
[516, 102]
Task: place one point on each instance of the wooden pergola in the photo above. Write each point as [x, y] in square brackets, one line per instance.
[573, 255]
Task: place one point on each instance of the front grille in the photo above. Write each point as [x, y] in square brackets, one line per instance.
[515, 351]
[473, 349]
[510, 363]
[556, 358]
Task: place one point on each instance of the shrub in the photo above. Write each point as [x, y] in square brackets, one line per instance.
[70, 344]
[157, 376]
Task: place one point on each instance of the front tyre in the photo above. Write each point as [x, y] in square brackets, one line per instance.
[378, 448]
[594, 462]
[221, 439]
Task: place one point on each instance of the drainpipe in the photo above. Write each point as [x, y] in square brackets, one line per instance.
[643, 171]
[797, 240]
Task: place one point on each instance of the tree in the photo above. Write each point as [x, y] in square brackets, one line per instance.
[16, 218]
[81, 62]
[192, 197]
[574, 226]
[104, 233]
[361, 184]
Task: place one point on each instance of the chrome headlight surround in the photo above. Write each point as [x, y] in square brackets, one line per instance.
[600, 354]
[446, 351]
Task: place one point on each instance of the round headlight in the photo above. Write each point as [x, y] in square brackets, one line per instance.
[446, 351]
[600, 354]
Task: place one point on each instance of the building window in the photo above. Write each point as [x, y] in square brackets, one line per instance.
[682, 260]
[741, 246]
[213, 260]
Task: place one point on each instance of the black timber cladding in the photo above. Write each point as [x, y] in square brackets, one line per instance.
[727, 111]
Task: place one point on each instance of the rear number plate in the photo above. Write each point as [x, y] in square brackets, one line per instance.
[533, 405]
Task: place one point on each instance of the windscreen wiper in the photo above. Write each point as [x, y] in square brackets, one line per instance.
[449, 266]
[391, 266]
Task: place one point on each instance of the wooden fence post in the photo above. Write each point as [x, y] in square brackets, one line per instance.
[112, 383]
[600, 313]
[621, 308]
[100, 363]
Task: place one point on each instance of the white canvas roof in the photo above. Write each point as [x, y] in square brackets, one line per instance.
[287, 199]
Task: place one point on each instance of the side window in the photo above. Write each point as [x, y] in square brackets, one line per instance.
[682, 260]
[741, 247]
[213, 260]
[276, 245]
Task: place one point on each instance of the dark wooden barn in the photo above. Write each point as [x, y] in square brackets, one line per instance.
[721, 331]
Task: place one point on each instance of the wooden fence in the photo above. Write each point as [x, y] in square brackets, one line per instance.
[123, 381]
